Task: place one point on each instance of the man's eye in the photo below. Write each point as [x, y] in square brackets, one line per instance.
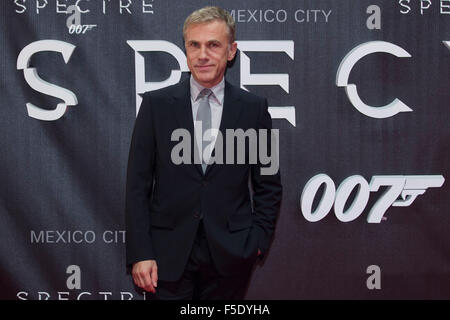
[213, 45]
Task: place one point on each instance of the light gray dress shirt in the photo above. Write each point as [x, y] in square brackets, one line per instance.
[216, 102]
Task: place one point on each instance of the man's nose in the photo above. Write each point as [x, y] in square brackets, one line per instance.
[203, 53]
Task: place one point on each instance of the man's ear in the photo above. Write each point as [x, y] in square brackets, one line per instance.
[232, 51]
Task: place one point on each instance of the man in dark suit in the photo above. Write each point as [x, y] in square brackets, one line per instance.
[194, 230]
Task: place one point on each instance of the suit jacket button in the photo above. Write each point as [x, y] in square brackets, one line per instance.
[204, 182]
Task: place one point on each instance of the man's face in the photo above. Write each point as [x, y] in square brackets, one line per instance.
[208, 50]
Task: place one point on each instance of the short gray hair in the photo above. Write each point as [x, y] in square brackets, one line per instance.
[209, 14]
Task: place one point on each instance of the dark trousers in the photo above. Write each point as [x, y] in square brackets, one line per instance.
[200, 279]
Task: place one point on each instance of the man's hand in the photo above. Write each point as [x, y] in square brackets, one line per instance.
[145, 275]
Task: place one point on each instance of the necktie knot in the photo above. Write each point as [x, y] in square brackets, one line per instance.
[205, 93]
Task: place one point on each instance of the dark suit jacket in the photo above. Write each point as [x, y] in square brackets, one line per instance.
[164, 200]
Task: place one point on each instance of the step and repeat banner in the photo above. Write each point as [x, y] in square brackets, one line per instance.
[360, 93]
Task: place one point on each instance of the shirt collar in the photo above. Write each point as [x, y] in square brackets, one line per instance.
[218, 90]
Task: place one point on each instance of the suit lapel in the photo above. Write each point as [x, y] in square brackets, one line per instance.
[184, 116]
[230, 114]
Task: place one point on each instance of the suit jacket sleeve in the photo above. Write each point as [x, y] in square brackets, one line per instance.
[267, 189]
[139, 186]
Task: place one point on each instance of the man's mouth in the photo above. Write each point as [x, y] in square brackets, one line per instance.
[204, 67]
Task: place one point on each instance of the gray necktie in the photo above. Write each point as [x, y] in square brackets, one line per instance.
[204, 115]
